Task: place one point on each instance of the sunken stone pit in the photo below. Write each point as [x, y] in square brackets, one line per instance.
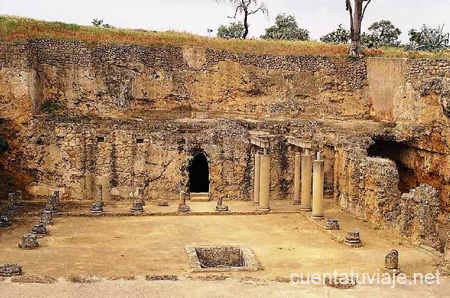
[222, 258]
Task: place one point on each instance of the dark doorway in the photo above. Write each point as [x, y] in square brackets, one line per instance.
[401, 154]
[199, 174]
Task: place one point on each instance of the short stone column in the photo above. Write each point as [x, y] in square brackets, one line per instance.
[100, 194]
[264, 190]
[12, 208]
[19, 198]
[318, 182]
[257, 179]
[297, 174]
[29, 241]
[46, 218]
[56, 193]
[391, 260]
[306, 181]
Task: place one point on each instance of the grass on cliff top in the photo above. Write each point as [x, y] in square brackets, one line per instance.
[17, 29]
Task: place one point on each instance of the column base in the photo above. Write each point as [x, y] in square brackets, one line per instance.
[297, 202]
[302, 208]
[256, 203]
[264, 209]
[317, 217]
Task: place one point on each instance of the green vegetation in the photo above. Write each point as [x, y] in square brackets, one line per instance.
[15, 29]
[234, 30]
[50, 107]
[340, 35]
[382, 33]
[3, 145]
[429, 39]
[286, 27]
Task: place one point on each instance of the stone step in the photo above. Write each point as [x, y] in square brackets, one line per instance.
[200, 197]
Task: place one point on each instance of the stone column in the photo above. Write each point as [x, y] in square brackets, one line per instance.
[297, 162]
[99, 193]
[264, 182]
[257, 178]
[318, 182]
[306, 181]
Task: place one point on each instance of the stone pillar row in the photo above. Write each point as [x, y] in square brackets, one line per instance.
[304, 165]
[262, 181]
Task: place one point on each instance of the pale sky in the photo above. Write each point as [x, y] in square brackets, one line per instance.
[195, 16]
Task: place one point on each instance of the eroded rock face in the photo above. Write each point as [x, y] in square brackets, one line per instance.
[418, 213]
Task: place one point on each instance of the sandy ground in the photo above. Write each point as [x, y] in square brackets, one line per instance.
[227, 288]
[135, 246]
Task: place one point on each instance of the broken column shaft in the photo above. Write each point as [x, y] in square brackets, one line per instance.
[306, 181]
[257, 179]
[318, 182]
[264, 182]
[297, 174]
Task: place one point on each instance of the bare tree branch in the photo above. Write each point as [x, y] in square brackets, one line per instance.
[365, 7]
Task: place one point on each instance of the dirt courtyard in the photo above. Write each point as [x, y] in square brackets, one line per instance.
[141, 245]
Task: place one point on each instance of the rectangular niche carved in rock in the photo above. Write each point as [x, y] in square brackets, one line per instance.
[222, 258]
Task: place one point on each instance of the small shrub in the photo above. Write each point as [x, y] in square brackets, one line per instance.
[50, 106]
[3, 145]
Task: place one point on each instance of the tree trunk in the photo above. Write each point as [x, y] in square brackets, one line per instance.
[355, 29]
[245, 24]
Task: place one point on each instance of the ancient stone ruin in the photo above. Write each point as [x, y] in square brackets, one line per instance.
[4, 221]
[157, 121]
[39, 230]
[46, 218]
[52, 204]
[353, 239]
[391, 260]
[222, 258]
[8, 270]
[332, 224]
[220, 206]
[137, 207]
[29, 241]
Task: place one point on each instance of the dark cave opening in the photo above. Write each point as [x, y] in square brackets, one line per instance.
[199, 174]
[399, 153]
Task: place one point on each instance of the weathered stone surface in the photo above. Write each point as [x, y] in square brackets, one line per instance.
[418, 213]
[137, 207]
[353, 239]
[46, 218]
[29, 241]
[332, 224]
[391, 260]
[4, 221]
[8, 270]
[39, 230]
[52, 204]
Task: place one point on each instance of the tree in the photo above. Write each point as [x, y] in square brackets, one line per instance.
[340, 35]
[429, 39]
[247, 8]
[234, 30]
[99, 23]
[356, 13]
[384, 33]
[286, 27]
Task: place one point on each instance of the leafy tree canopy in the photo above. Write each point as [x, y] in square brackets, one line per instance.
[382, 33]
[234, 30]
[286, 27]
[340, 35]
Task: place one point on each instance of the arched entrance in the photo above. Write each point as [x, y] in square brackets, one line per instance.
[199, 175]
